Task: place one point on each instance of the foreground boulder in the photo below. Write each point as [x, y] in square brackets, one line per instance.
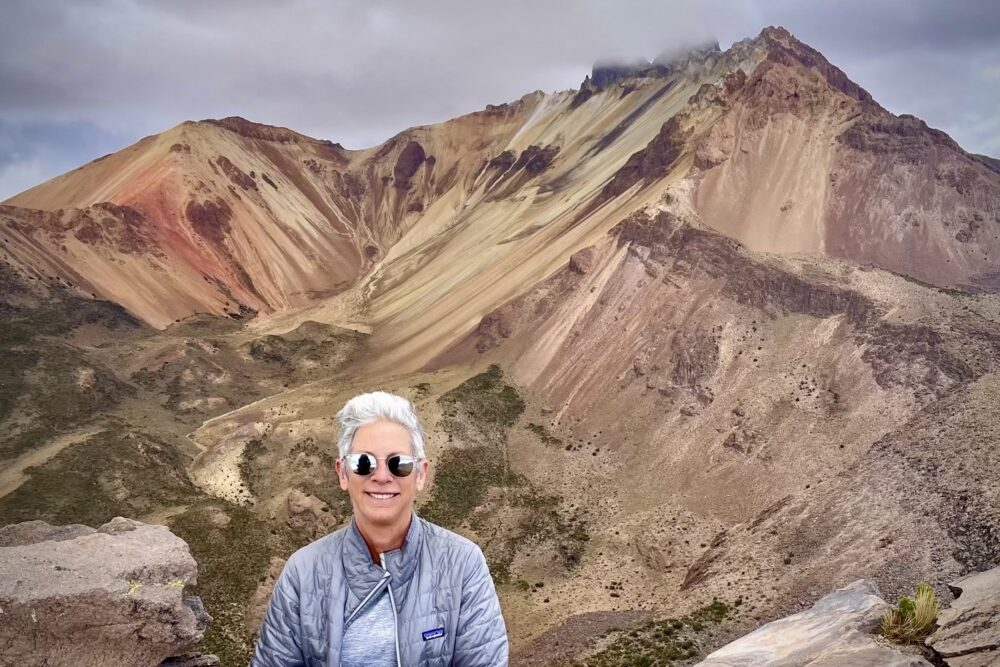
[836, 631]
[75, 595]
[968, 633]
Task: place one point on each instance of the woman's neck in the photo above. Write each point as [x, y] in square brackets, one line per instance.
[383, 538]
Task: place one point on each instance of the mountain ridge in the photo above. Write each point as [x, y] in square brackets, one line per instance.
[349, 206]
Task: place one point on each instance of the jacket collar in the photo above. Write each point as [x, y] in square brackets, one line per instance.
[363, 575]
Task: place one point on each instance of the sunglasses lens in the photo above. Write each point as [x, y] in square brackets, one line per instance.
[400, 466]
[362, 464]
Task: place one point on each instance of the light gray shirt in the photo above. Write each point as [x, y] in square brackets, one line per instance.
[370, 639]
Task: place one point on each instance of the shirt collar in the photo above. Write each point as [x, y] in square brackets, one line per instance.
[363, 574]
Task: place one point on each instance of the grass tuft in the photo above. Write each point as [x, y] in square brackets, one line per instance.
[913, 619]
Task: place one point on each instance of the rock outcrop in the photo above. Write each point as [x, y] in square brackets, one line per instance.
[309, 515]
[837, 630]
[968, 633]
[111, 596]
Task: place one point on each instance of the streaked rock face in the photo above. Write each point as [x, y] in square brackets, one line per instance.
[766, 142]
[74, 595]
[969, 632]
[835, 631]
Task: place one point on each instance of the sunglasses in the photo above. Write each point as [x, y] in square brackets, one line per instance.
[364, 464]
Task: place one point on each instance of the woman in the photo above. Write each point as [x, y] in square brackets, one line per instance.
[389, 588]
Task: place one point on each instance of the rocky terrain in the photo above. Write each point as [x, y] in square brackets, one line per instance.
[695, 345]
[843, 628]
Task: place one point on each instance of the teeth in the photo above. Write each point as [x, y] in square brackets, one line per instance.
[381, 496]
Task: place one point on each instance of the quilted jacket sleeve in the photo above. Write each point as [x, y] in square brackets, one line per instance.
[481, 639]
[279, 643]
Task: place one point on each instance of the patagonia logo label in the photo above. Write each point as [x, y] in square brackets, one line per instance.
[433, 634]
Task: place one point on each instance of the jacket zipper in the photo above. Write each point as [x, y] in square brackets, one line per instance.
[392, 603]
[372, 592]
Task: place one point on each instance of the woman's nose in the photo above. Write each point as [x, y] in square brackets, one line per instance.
[382, 473]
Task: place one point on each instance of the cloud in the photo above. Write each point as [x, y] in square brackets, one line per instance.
[358, 72]
[18, 176]
[32, 152]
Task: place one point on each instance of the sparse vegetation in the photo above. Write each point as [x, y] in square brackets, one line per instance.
[119, 472]
[463, 477]
[52, 387]
[232, 559]
[661, 643]
[473, 484]
[531, 518]
[544, 435]
[320, 480]
[47, 385]
[249, 471]
[489, 403]
[310, 349]
[912, 619]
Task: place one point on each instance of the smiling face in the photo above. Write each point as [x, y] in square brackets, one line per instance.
[381, 500]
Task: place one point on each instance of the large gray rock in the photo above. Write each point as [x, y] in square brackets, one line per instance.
[113, 596]
[835, 632]
[968, 633]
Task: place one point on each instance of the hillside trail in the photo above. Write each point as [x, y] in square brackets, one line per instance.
[13, 476]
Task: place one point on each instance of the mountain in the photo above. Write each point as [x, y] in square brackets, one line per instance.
[770, 144]
[712, 326]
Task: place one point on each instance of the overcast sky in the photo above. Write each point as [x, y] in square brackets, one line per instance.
[81, 79]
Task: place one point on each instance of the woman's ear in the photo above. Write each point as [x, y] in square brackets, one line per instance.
[341, 473]
[422, 466]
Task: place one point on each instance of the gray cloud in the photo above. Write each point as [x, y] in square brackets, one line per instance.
[357, 72]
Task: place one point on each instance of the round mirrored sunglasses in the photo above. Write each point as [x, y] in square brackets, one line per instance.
[364, 464]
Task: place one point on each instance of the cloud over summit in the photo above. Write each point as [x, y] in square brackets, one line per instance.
[356, 73]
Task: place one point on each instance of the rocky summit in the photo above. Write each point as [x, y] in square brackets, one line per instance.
[695, 344]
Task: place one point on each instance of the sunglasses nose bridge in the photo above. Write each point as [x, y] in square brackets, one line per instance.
[381, 473]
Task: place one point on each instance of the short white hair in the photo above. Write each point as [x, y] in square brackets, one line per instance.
[378, 406]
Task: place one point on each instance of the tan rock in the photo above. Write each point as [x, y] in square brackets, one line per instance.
[73, 595]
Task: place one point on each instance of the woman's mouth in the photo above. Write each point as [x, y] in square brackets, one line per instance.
[381, 496]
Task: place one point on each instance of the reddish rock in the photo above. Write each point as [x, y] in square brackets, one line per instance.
[409, 160]
[235, 174]
[649, 164]
[535, 159]
[210, 219]
[582, 261]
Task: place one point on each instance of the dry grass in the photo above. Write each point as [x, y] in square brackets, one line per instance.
[913, 619]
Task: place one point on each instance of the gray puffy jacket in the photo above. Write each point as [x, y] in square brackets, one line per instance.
[447, 608]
